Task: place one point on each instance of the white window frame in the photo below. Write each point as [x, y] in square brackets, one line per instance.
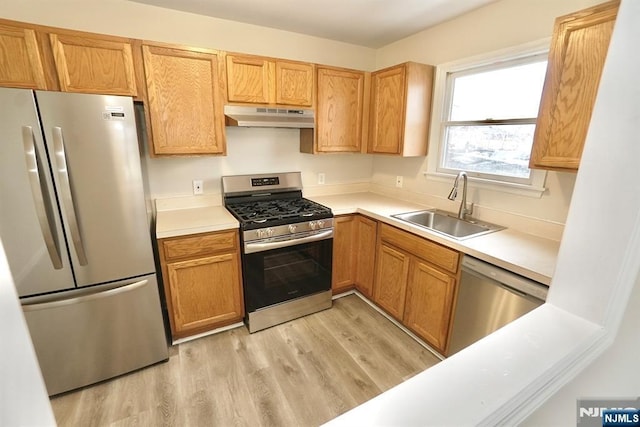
[535, 185]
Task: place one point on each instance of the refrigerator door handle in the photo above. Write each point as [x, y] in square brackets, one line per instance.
[67, 198]
[42, 204]
[84, 298]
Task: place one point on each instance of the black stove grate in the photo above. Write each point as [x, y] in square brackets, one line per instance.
[265, 213]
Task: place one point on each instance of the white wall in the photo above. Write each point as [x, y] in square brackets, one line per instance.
[129, 19]
[252, 150]
[249, 150]
[499, 25]
[614, 375]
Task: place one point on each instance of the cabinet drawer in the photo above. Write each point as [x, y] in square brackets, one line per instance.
[432, 252]
[200, 244]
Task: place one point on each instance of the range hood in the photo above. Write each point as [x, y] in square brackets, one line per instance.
[268, 117]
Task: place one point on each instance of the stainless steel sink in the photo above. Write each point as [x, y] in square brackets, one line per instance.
[448, 224]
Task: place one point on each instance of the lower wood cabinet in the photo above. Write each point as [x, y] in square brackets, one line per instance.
[429, 303]
[344, 253]
[202, 281]
[416, 282]
[365, 246]
[391, 280]
[354, 241]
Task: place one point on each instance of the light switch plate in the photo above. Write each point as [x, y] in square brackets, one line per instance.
[399, 181]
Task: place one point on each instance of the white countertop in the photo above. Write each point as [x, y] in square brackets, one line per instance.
[180, 222]
[524, 254]
[530, 256]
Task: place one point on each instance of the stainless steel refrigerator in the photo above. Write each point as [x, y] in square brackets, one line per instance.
[74, 224]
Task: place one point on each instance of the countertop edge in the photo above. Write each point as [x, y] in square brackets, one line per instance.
[183, 222]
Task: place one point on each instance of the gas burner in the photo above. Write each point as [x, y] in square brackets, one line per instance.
[278, 211]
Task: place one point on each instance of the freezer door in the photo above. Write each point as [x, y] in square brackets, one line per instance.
[93, 146]
[81, 338]
[30, 225]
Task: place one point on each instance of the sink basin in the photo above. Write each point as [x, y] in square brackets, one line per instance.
[448, 224]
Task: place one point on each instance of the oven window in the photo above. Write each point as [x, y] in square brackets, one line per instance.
[279, 275]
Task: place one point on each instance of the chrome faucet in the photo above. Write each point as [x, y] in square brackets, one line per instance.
[464, 210]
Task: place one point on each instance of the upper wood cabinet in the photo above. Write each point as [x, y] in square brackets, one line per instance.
[94, 64]
[21, 61]
[576, 58]
[185, 100]
[400, 109]
[294, 83]
[341, 97]
[267, 81]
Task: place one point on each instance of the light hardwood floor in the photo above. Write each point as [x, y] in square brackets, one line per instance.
[301, 373]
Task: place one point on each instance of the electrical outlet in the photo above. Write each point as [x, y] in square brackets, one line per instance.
[197, 186]
[321, 178]
[399, 181]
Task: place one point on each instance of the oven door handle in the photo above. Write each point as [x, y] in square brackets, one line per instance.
[250, 248]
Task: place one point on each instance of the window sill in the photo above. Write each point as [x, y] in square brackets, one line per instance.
[505, 187]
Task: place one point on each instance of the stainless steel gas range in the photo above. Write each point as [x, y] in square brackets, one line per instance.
[287, 247]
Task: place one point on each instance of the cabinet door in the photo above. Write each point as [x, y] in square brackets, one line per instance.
[294, 83]
[94, 65]
[390, 287]
[344, 254]
[185, 101]
[387, 110]
[365, 248]
[249, 79]
[205, 292]
[578, 51]
[429, 304]
[20, 61]
[339, 110]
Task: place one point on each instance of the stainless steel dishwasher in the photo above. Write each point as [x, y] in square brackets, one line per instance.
[489, 297]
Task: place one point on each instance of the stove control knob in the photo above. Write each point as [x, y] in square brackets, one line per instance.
[260, 234]
[313, 225]
[292, 228]
[320, 223]
[269, 232]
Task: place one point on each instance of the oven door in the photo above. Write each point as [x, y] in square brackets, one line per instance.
[277, 275]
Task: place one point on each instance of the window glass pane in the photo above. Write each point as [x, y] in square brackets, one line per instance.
[496, 149]
[507, 93]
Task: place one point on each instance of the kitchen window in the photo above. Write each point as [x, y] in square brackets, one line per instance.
[485, 111]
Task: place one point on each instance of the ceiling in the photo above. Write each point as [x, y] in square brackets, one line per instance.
[370, 23]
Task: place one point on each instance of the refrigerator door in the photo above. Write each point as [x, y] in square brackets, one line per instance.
[93, 146]
[30, 226]
[89, 335]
